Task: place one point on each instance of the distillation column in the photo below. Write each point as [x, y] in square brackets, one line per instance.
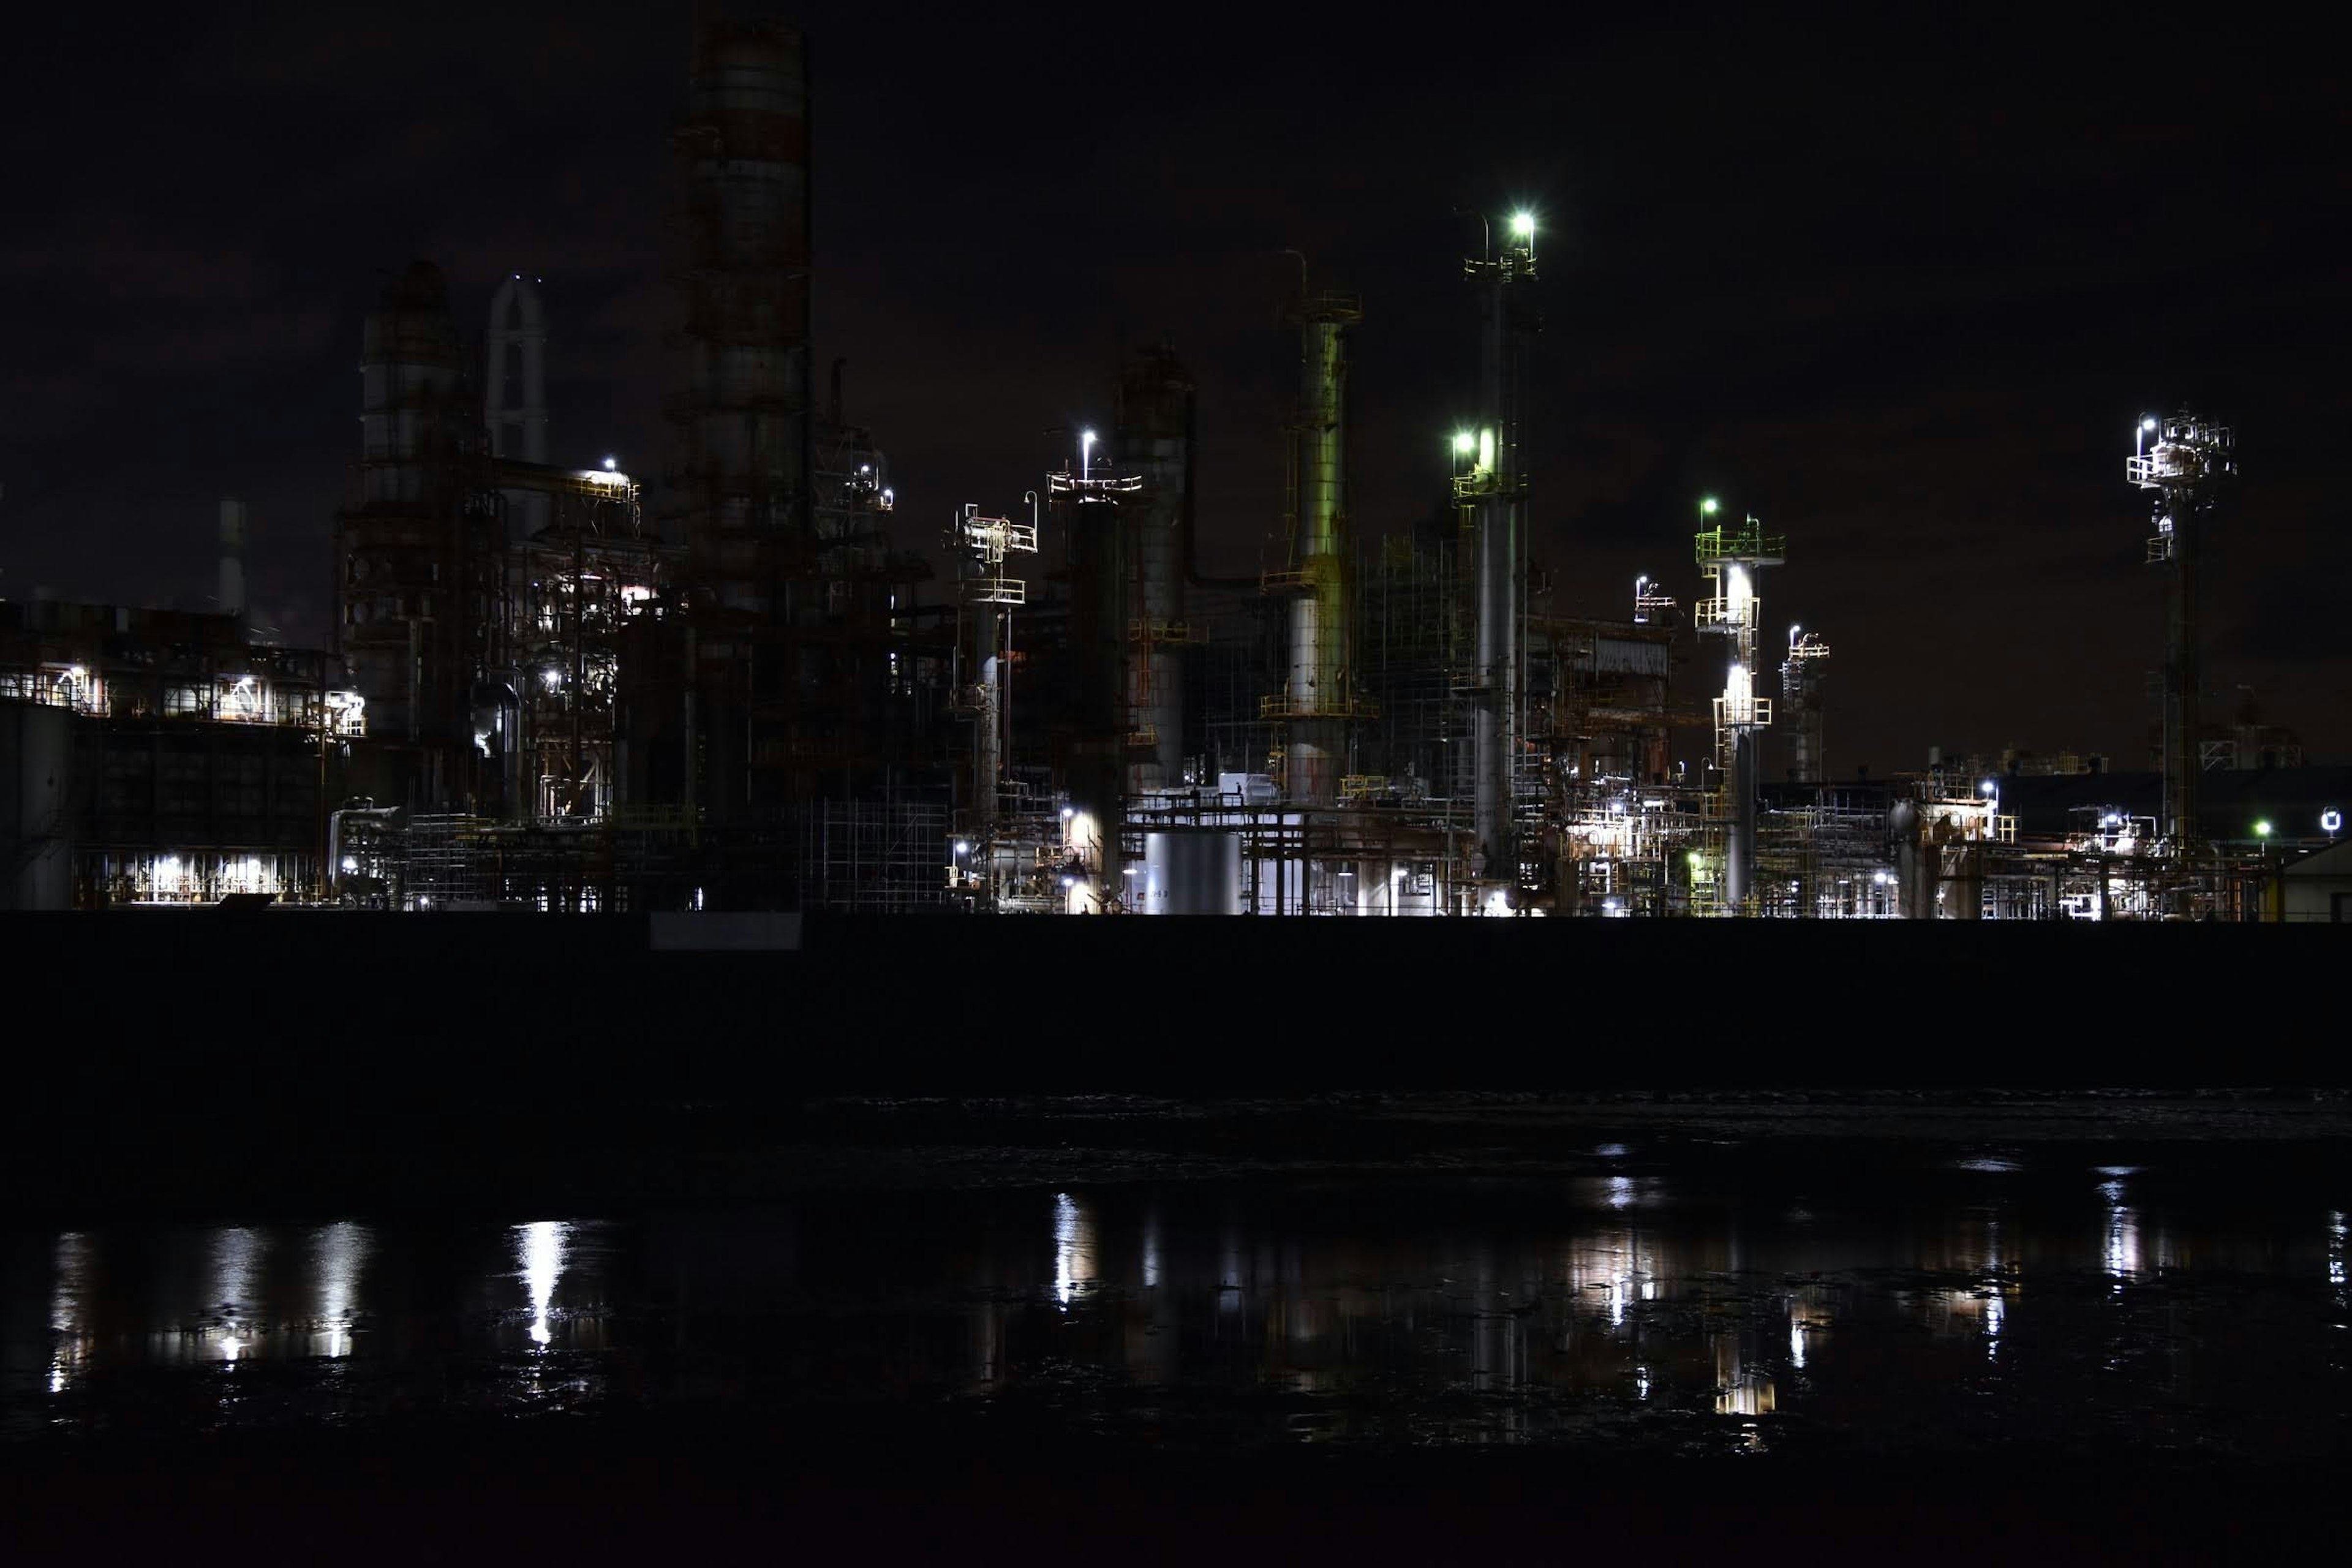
[989, 593]
[1800, 695]
[2186, 460]
[413, 553]
[1095, 508]
[1318, 686]
[1500, 497]
[744, 412]
[1729, 560]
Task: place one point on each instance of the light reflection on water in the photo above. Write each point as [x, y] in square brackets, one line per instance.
[1074, 1248]
[540, 1246]
[338, 1254]
[69, 1309]
[236, 1256]
[1497, 1312]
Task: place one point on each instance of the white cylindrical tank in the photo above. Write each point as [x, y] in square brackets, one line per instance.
[1192, 873]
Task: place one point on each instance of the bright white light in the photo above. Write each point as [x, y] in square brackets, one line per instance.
[963, 848]
[612, 464]
[1465, 443]
[1069, 881]
[1740, 594]
[1067, 813]
[2331, 822]
[554, 679]
[2111, 820]
[2148, 423]
[1523, 224]
[1989, 786]
[351, 864]
[1792, 634]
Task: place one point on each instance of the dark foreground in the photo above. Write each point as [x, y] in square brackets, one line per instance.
[467, 1237]
[1433, 1326]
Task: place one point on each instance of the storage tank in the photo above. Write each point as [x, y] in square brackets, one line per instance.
[1192, 873]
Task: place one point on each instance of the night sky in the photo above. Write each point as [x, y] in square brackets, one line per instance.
[1903, 292]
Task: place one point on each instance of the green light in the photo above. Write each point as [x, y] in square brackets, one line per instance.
[1706, 507]
[1465, 443]
[1523, 224]
[2262, 830]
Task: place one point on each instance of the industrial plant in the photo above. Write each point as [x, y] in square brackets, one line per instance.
[755, 685]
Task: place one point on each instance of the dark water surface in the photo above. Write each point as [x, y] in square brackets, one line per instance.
[1926, 1284]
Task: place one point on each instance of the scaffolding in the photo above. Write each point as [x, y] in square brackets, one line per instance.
[874, 858]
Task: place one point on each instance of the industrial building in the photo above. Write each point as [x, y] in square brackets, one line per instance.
[556, 688]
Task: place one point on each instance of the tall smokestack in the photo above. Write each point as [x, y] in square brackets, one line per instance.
[1319, 687]
[232, 556]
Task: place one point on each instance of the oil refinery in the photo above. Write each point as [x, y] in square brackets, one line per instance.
[556, 687]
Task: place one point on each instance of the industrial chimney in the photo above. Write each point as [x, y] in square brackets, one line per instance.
[232, 556]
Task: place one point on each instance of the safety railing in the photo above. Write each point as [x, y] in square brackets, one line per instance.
[1279, 706]
[1742, 712]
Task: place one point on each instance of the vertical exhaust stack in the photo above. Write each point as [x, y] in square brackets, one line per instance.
[1152, 440]
[232, 557]
[1320, 687]
[519, 327]
[1497, 488]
